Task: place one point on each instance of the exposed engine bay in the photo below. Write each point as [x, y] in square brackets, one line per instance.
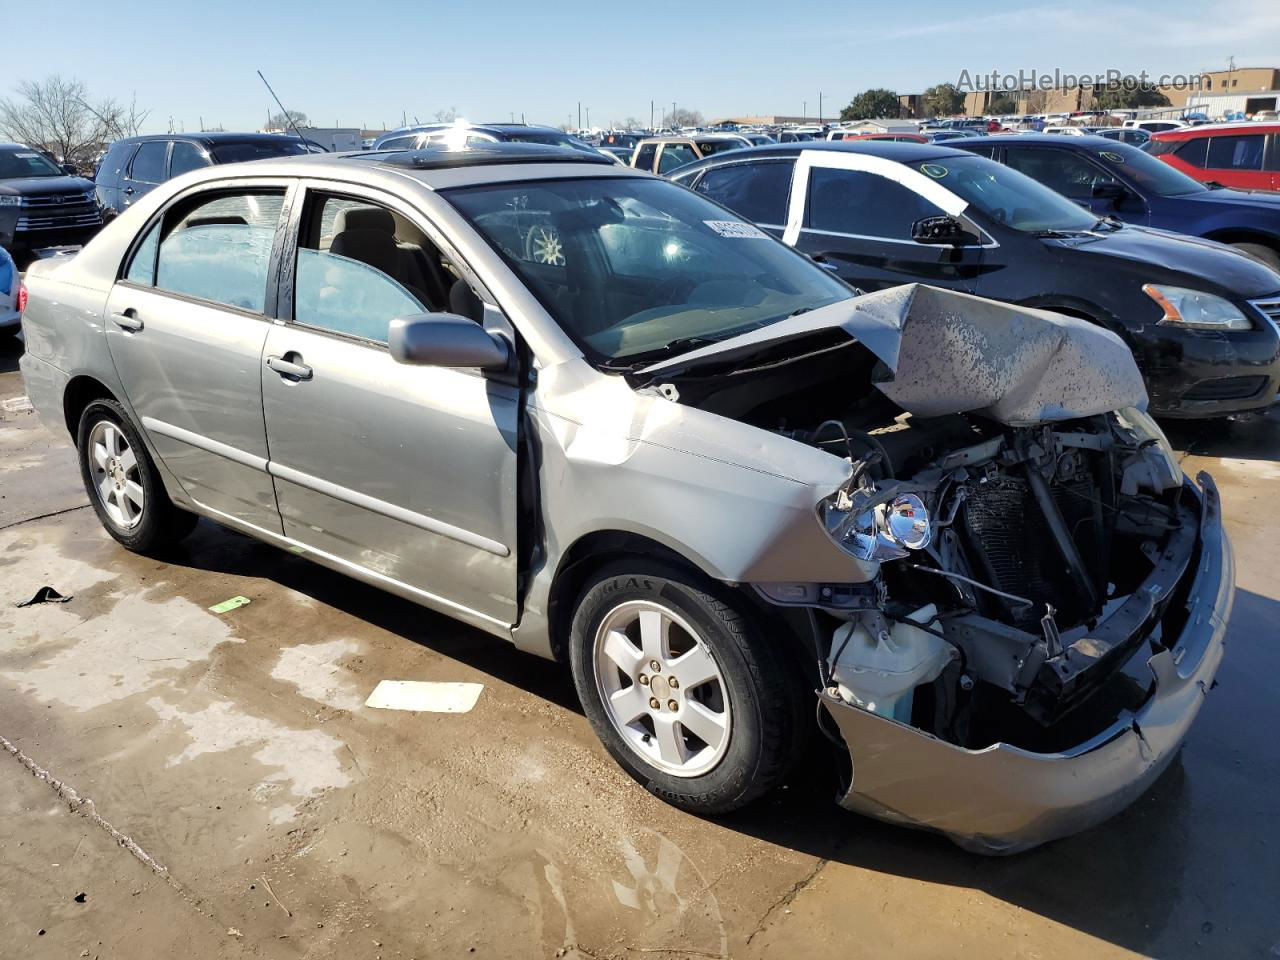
[1021, 568]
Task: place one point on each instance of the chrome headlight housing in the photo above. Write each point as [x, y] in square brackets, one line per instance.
[1155, 449]
[869, 529]
[10, 200]
[1195, 309]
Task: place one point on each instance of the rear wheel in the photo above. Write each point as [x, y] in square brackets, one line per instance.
[123, 483]
[689, 696]
[1262, 254]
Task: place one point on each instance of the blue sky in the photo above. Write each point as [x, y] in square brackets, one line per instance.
[355, 63]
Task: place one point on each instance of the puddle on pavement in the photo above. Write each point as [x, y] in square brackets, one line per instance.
[315, 669]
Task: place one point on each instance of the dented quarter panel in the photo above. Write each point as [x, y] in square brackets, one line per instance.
[1002, 799]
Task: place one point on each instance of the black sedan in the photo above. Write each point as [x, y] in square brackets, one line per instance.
[1200, 317]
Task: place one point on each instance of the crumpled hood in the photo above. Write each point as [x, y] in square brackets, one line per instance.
[950, 352]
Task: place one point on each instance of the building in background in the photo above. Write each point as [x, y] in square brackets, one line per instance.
[1241, 80]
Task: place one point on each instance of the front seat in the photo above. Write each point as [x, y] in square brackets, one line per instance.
[464, 302]
[368, 234]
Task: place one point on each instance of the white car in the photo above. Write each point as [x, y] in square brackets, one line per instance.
[1156, 126]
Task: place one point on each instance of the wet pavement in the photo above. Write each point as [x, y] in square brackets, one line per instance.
[285, 819]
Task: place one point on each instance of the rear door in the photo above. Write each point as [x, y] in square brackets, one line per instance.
[149, 166]
[1239, 160]
[186, 324]
[855, 212]
[405, 472]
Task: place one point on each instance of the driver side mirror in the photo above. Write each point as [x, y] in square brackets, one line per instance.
[940, 230]
[445, 340]
[70, 170]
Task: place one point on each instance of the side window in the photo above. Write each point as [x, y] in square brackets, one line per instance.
[1243, 152]
[361, 265]
[853, 201]
[219, 249]
[988, 152]
[185, 158]
[399, 143]
[756, 191]
[114, 162]
[1194, 151]
[675, 155]
[142, 269]
[1065, 171]
[644, 158]
[148, 162]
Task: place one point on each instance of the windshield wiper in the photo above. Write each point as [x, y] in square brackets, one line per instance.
[669, 349]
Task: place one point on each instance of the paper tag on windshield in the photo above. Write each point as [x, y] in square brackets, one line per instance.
[733, 228]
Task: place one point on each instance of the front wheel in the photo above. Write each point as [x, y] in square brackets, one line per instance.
[123, 484]
[689, 696]
[1264, 255]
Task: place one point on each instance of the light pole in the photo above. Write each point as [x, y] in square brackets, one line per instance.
[579, 114]
[804, 110]
[819, 109]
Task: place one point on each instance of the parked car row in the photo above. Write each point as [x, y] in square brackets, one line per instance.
[1200, 318]
[621, 426]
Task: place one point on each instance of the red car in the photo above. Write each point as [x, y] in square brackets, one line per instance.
[1245, 156]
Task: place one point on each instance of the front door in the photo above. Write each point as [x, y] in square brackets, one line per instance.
[854, 212]
[408, 472]
[185, 328]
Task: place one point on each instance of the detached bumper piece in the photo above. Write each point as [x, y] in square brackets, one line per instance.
[1003, 799]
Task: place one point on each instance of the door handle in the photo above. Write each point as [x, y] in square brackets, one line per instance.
[127, 320]
[128, 191]
[291, 369]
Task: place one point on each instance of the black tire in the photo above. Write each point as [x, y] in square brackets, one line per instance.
[767, 701]
[161, 524]
[1263, 254]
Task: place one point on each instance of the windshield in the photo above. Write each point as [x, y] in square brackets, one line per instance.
[633, 267]
[18, 162]
[257, 150]
[1008, 197]
[1152, 175]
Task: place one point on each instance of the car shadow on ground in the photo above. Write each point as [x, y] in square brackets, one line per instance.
[10, 351]
[1248, 437]
[1126, 882]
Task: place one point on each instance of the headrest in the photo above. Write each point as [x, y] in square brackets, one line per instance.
[364, 218]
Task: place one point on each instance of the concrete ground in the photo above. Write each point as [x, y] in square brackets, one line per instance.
[283, 819]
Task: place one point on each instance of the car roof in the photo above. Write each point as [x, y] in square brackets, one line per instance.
[1208, 129]
[696, 136]
[901, 151]
[1048, 139]
[213, 137]
[433, 167]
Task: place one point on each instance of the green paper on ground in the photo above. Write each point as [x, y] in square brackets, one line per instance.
[227, 605]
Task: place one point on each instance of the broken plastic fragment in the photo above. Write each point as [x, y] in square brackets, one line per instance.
[44, 595]
[425, 696]
[228, 605]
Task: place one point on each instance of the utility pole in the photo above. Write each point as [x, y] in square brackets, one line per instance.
[673, 114]
[819, 108]
[651, 116]
[588, 116]
[579, 114]
[804, 110]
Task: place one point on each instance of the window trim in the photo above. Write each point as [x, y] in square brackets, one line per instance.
[238, 185]
[950, 203]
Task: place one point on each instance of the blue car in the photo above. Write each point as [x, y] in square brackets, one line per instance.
[1121, 181]
[9, 286]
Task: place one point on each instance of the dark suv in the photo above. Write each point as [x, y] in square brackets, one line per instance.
[40, 204]
[1199, 317]
[134, 165]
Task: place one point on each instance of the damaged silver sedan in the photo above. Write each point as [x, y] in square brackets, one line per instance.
[593, 413]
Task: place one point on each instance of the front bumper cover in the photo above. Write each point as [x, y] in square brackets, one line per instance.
[1003, 799]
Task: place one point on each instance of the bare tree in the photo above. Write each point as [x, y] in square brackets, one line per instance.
[287, 121]
[684, 118]
[447, 116]
[56, 114]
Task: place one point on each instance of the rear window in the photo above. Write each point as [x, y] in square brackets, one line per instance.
[257, 150]
[708, 147]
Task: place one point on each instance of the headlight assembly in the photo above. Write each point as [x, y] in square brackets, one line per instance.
[10, 201]
[884, 530]
[1196, 309]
